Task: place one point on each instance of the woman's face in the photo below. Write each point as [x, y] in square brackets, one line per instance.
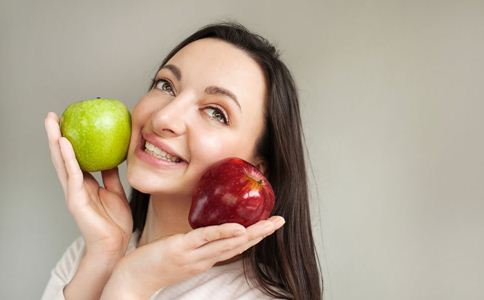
[207, 104]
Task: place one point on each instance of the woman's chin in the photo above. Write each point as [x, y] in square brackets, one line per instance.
[158, 186]
[137, 181]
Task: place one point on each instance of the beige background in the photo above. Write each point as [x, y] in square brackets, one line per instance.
[392, 98]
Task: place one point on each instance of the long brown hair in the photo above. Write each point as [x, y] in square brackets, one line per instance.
[285, 263]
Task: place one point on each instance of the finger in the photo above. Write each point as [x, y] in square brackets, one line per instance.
[91, 185]
[201, 236]
[112, 182]
[212, 252]
[74, 173]
[226, 248]
[51, 124]
[265, 227]
[257, 235]
[237, 251]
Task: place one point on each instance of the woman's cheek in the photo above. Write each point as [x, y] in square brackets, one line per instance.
[212, 148]
[135, 131]
[141, 111]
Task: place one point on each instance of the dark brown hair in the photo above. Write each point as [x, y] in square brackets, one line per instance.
[285, 263]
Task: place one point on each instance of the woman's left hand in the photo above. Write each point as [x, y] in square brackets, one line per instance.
[172, 259]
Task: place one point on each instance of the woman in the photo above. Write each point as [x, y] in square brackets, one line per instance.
[222, 92]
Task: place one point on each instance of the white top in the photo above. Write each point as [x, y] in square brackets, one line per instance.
[220, 282]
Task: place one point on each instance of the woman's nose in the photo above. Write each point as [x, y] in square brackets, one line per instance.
[170, 120]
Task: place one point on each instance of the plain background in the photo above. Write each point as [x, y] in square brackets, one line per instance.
[392, 97]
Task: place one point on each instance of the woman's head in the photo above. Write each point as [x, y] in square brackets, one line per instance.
[206, 103]
[270, 136]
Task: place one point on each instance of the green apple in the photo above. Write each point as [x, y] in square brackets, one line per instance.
[99, 131]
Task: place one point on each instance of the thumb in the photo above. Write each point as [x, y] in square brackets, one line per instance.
[112, 182]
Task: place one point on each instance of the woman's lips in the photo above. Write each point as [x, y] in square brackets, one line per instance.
[155, 161]
[160, 144]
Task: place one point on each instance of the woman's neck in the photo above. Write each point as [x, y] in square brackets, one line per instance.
[166, 216]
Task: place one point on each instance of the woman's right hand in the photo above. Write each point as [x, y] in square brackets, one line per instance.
[102, 214]
[176, 257]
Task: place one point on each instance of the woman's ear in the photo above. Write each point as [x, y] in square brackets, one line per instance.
[261, 164]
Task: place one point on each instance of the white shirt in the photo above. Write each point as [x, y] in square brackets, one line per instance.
[220, 282]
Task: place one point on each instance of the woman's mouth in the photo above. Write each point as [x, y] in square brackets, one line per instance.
[160, 154]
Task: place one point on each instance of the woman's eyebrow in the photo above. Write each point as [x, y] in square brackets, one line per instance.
[174, 69]
[215, 90]
[211, 90]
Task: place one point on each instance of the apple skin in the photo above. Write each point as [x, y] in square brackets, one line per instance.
[231, 191]
[99, 131]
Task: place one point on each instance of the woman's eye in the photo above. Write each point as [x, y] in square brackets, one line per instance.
[217, 114]
[165, 86]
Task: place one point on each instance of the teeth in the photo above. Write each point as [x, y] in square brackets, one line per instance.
[158, 153]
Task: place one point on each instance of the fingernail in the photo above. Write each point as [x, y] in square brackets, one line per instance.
[281, 221]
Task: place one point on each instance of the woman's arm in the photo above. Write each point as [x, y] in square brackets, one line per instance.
[102, 214]
[75, 271]
[91, 277]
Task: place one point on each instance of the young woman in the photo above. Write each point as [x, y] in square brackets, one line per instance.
[222, 92]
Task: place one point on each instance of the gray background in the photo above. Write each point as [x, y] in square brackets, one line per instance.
[392, 100]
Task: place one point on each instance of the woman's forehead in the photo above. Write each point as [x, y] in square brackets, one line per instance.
[216, 57]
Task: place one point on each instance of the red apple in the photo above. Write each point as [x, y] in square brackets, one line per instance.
[231, 191]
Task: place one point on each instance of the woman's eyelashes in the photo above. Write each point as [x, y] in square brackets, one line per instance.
[217, 114]
[165, 86]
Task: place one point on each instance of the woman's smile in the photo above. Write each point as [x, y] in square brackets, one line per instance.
[157, 153]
